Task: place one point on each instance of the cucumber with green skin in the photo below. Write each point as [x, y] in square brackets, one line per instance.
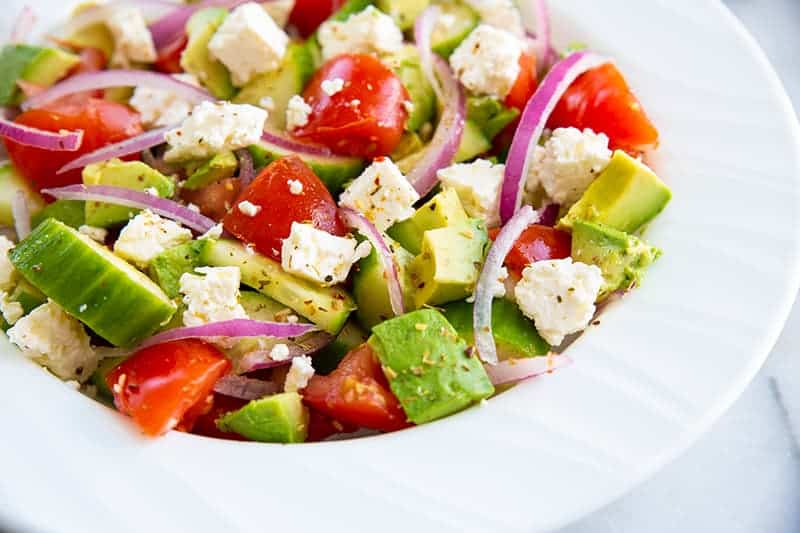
[111, 297]
[446, 38]
[328, 358]
[167, 267]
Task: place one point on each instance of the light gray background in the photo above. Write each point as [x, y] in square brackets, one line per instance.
[744, 475]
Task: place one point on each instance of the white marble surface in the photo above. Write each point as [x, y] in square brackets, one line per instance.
[744, 475]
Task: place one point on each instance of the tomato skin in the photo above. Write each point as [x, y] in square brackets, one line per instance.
[215, 199]
[279, 207]
[369, 128]
[169, 57]
[206, 423]
[160, 384]
[357, 393]
[601, 100]
[102, 123]
[307, 15]
[536, 243]
[526, 83]
[320, 426]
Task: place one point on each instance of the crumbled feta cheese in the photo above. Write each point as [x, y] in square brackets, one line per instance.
[568, 163]
[408, 105]
[248, 43]
[477, 185]
[158, 107]
[502, 14]
[317, 255]
[192, 207]
[297, 112]
[12, 311]
[279, 352]
[8, 274]
[487, 61]
[55, 340]
[146, 236]
[382, 194]
[152, 191]
[367, 32]
[249, 209]
[132, 39]
[331, 87]
[213, 297]
[213, 128]
[213, 233]
[295, 187]
[94, 233]
[299, 374]
[559, 295]
[279, 10]
[267, 103]
[363, 250]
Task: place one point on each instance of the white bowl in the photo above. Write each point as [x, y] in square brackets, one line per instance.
[662, 366]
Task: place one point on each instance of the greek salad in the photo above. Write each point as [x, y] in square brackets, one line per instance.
[289, 220]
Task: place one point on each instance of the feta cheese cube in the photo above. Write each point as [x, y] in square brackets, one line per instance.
[279, 10]
[502, 14]
[567, 164]
[477, 185]
[158, 107]
[297, 112]
[249, 208]
[367, 32]
[213, 233]
[8, 274]
[132, 40]
[212, 297]
[299, 374]
[317, 255]
[12, 311]
[55, 340]
[381, 193]
[146, 236]
[94, 233]
[248, 43]
[487, 61]
[559, 295]
[213, 128]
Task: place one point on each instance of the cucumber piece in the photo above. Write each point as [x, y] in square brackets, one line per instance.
[167, 267]
[221, 166]
[28, 296]
[334, 171]
[115, 300]
[327, 307]
[328, 358]
[404, 12]
[278, 418]
[473, 143]
[70, 212]
[263, 308]
[406, 64]
[11, 183]
[490, 115]
[456, 21]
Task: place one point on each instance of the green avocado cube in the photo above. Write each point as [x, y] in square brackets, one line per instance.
[197, 59]
[70, 212]
[473, 143]
[219, 167]
[428, 366]
[442, 210]
[278, 418]
[167, 267]
[490, 115]
[34, 64]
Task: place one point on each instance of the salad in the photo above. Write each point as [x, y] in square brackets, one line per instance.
[290, 220]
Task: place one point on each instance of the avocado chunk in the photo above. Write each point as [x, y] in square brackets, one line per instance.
[10, 184]
[196, 58]
[404, 12]
[327, 359]
[622, 258]
[93, 36]
[406, 64]
[278, 418]
[448, 266]
[371, 290]
[626, 196]
[70, 212]
[409, 144]
[221, 166]
[428, 366]
[167, 267]
[34, 64]
[473, 143]
[461, 18]
[442, 210]
[514, 333]
[129, 174]
[490, 115]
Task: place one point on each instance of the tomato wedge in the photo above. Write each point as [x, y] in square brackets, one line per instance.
[280, 207]
[526, 83]
[206, 423]
[601, 100]
[536, 243]
[158, 385]
[307, 15]
[357, 393]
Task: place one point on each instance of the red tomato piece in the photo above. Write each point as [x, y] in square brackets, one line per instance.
[537, 243]
[307, 15]
[102, 123]
[366, 118]
[206, 423]
[215, 199]
[601, 100]
[279, 207]
[357, 393]
[526, 83]
[160, 384]
[169, 57]
[320, 427]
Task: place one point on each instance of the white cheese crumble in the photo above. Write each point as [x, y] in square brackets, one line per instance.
[559, 295]
[477, 185]
[213, 233]
[279, 10]
[132, 40]
[211, 297]
[159, 107]
[279, 352]
[317, 255]
[487, 61]
[299, 374]
[368, 32]
[267, 103]
[249, 209]
[331, 87]
[146, 236]
[295, 187]
[94, 233]
[408, 105]
[297, 112]
[381, 193]
[248, 43]
[502, 14]
[12, 311]
[8, 274]
[55, 340]
[213, 128]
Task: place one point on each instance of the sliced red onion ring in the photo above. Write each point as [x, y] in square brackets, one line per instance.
[245, 388]
[516, 370]
[99, 13]
[23, 25]
[172, 25]
[121, 149]
[285, 143]
[247, 171]
[240, 327]
[22, 215]
[130, 198]
[104, 79]
[544, 36]
[359, 222]
[482, 310]
[548, 215]
[262, 359]
[423, 29]
[63, 141]
[533, 121]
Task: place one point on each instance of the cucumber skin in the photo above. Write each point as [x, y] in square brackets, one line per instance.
[72, 271]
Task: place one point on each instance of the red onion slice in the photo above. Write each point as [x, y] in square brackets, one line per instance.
[543, 34]
[423, 29]
[121, 149]
[23, 25]
[172, 25]
[262, 359]
[359, 222]
[105, 79]
[482, 310]
[22, 215]
[247, 171]
[237, 328]
[63, 141]
[130, 198]
[290, 145]
[245, 388]
[534, 118]
[516, 370]
[548, 215]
